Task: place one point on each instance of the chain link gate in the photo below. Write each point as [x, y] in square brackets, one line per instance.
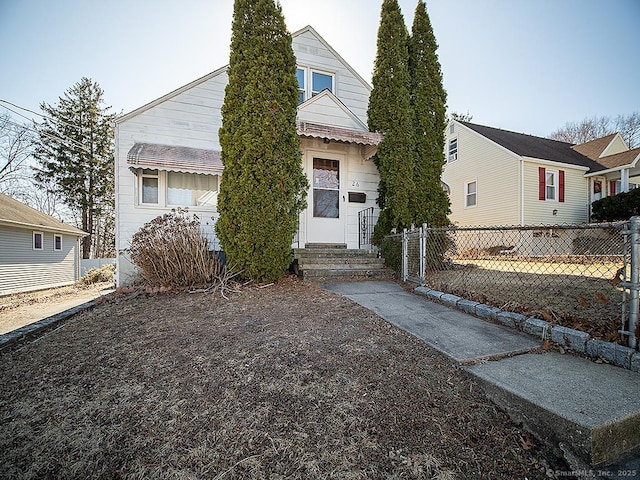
[582, 273]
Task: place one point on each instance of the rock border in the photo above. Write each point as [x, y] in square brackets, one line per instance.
[32, 330]
[575, 340]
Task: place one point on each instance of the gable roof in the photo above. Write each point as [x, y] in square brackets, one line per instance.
[223, 70]
[594, 148]
[319, 106]
[17, 214]
[535, 147]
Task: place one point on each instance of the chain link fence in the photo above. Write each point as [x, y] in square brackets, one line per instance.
[571, 275]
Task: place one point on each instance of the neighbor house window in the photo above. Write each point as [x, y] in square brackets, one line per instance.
[37, 240]
[453, 149]
[149, 187]
[311, 82]
[550, 184]
[57, 242]
[191, 189]
[471, 194]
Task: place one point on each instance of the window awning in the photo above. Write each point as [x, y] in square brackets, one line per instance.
[338, 134]
[175, 158]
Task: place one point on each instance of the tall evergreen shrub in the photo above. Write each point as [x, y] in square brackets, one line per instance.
[389, 112]
[428, 105]
[263, 187]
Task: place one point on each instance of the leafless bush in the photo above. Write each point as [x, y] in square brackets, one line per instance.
[99, 275]
[170, 251]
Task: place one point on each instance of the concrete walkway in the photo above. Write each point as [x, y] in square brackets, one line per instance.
[588, 410]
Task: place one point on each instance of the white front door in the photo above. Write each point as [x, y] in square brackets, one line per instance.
[326, 213]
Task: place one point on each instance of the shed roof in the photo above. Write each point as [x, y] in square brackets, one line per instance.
[17, 214]
[536, 147]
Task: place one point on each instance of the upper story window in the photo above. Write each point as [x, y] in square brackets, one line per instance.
[57, 242]
[311, 82]
[453, 150]
[177, 189]
[551, 185]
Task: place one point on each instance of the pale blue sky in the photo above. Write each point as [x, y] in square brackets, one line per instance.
[522, 65]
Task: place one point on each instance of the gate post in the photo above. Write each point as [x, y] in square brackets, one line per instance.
[423, 252]
[405, 256]
[634, 227]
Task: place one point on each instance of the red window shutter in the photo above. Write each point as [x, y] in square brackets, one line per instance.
[612, 187]
[542, 183]
[561, 185]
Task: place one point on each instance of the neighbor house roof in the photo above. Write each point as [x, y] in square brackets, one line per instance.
[175, 158]
[620, 159]
[594, 148]
[536, 147]
[17, 214]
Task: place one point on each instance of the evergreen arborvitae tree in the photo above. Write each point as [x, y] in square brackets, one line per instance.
[75, 153]
[389, 113]
[428, 103]
[263, 187]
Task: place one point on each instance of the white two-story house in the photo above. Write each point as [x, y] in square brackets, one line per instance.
[168, 153]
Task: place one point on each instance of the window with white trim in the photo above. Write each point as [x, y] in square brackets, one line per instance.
[551, 185]
[191, 189]
[471, 194]
[57, 243]
[311, 82]
[453, 150]
[149, 187]
[38, 241]
[177, 189]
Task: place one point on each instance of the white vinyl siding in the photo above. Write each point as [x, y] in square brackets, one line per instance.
[22, 268]
[471, 194]
[574, 209]
[487, 164]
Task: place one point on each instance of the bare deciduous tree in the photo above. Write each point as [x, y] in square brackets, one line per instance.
[596, 127]
[15, 151]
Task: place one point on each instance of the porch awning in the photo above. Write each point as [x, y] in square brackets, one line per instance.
[338, 134]
[175, 158]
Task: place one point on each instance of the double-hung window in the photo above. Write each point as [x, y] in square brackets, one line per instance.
[453, 150]
[550, 185]
[149, 187]
[471, 194]
[312, 82]
[38, 241]
[57, 242]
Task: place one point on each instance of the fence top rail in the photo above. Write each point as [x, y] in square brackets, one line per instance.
[565, 226]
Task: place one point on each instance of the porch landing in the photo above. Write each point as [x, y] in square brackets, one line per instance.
[321, 263]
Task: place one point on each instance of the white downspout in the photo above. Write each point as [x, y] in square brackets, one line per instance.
[521, 192]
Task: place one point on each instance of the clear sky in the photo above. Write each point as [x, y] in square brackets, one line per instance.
[523, 65]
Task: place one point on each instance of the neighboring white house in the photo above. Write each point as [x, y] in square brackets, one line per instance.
[498, 177]
[168, 152]
[36, 250]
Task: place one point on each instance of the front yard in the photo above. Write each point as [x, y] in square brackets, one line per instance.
[286, 381]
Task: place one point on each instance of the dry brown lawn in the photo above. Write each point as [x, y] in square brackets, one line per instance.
[286, 381]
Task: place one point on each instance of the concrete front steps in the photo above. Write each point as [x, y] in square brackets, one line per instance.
[336, 263]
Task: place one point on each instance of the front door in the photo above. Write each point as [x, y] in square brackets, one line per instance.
[326, 215]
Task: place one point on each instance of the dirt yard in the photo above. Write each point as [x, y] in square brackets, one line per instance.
[25, 308]
[286, 381]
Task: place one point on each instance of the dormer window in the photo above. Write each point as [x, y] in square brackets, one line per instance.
[312, 82]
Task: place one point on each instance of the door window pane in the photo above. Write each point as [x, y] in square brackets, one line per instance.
[326, 188]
